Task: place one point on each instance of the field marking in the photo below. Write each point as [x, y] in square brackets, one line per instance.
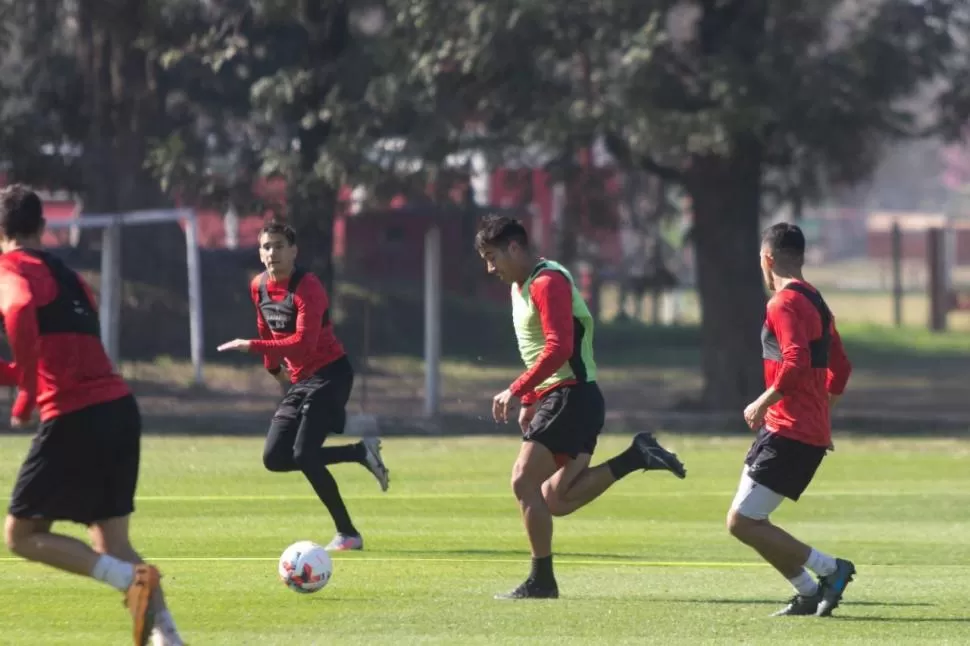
[432, 559]
[605, 562]
[726, 493]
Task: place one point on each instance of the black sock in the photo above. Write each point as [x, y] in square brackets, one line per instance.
[625, 463]
[345, 453]
[329, 494]
[542, 572]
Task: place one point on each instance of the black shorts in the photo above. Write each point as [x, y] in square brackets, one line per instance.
[569, 419]
[311, 410]
[82, 466]
[784, 465]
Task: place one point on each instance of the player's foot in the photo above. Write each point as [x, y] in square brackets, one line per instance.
[374, 462]
[801, 605]
[531, 590]
[833, 586]
[344, 542]
[138, 599]
[656, 457]
[162, 637]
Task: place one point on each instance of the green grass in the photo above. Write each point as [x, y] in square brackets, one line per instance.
[648, 563]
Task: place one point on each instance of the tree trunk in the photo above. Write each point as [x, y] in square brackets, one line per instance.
[312, 206]
[725, 193]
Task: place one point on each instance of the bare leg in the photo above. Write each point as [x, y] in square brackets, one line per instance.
[783, 551]
[576, 485]
[533, 467]
[111, 537]
[33, 540]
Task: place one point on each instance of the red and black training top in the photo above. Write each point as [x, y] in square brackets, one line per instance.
[805, 361]
[293, 317]
[52, 327]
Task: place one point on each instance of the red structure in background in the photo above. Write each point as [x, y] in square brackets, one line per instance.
[388, 244]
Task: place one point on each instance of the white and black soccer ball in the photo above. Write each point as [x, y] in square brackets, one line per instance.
[305, 567]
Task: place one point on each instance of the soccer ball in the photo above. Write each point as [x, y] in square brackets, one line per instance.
[305, 567]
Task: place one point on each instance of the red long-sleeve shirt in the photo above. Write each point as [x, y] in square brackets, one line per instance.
[57, 373]
[313, 345]
[803, 412]
[552, 294]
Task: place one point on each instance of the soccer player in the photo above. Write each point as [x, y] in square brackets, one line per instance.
[82, 465]
[562, 409]
[293, 319]
[806, 371]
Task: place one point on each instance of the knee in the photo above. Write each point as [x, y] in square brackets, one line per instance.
[525, 488]
[274, 461]
[739, 525]
[15, 536]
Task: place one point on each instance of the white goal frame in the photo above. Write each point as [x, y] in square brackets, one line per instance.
[110, 301]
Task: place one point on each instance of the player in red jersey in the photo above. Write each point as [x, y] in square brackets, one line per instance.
[293, 319]
[806, 371]
[83, 463]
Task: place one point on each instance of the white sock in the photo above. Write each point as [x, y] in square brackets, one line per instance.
[804, 584]
[165, 622]
[118, 574]
[821, 564]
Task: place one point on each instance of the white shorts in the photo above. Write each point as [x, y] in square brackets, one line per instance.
[753, 500]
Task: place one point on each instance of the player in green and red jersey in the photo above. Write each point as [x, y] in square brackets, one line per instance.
[562, 410]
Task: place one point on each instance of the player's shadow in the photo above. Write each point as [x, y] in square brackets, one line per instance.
[759, 602]
[907, 620]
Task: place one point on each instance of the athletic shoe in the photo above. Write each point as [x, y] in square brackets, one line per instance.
[800, 605]
[374, 462]
[138, 600]
[833, 586]
[344, 542]
[530, 590]
[656, 457]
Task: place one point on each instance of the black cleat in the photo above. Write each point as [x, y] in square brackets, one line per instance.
[656, 457]
[800, 605]
[833, 586]
[530, 590]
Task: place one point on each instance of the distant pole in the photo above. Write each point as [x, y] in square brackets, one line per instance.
[432, 321]
[111, 286]
[936, 257]
[194, 269]
[897, 260]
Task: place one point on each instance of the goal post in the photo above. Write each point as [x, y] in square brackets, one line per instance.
[111, 280]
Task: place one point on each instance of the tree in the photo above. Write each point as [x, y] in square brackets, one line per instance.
[39, 89]
[810, 92]
[721, 97]
[278, 89]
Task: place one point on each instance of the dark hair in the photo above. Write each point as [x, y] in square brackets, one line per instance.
[21, 212]
[786, 242]
[275, 227]
[498, 231]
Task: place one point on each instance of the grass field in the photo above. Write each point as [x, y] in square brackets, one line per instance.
[648, 563]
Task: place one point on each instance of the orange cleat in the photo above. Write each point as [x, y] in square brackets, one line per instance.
[138, 600]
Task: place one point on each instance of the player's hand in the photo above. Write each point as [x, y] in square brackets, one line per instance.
[19, 424]
[240, 345]
[526, 413]
[754, 414]
[500, 405]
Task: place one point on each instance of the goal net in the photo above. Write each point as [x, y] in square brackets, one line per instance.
[66, 230]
